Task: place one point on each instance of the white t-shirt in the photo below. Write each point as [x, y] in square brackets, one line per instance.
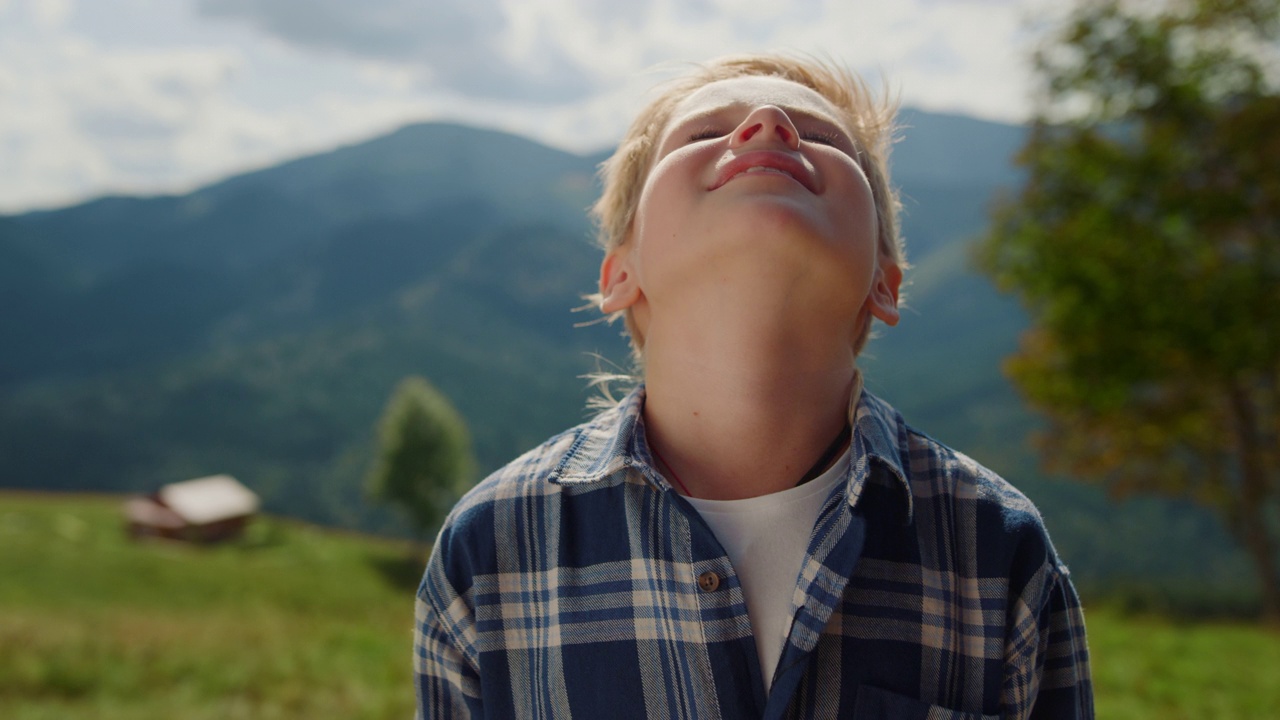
[766, 538]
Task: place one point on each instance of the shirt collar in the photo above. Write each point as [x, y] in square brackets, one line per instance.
[879, 434]
[606, 444]
[615, 440]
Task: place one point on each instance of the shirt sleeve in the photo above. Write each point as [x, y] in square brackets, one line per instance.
[1047, 660]
[446, 673]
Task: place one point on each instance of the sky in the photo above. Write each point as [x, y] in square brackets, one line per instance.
[158, 96]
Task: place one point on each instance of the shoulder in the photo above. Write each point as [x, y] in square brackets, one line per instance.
[934, 474]
[468, 544]
[938, 469]
[526, 475]
[523, 499]
[524, 478]
[954, 494]
[582, 455]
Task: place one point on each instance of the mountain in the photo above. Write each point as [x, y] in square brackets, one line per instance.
[257, 325]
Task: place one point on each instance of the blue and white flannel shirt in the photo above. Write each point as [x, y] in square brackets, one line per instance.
[576, 583]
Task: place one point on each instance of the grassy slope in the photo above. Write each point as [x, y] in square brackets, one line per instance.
[294, 622]
[299, 622]
[1149, 667]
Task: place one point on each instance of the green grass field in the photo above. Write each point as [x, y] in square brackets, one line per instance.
[296, 621]
[292, 622]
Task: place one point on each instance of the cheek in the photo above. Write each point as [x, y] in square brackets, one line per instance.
[662, 203]
[860, 212]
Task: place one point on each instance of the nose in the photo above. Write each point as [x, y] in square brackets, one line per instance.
[764, 124]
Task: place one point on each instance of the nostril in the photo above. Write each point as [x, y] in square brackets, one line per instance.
[751, 131]
[784, 134]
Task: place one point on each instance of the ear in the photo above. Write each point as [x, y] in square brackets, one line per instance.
[883, 298]
[619, 288]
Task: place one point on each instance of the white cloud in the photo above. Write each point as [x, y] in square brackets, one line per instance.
[452, 44]
[151, 95]
[87, 115]
[49, 13]
[92, 119]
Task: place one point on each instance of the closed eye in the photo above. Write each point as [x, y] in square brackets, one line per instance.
[823, 138]
[706, 133]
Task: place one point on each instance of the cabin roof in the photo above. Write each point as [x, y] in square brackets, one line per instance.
[146, 511]
[209, 499]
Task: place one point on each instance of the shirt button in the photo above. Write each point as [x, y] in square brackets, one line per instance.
[708, 581]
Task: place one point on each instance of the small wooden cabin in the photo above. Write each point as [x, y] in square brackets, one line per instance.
[205, 509]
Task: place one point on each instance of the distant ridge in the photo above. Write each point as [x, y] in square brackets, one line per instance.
[256, 326]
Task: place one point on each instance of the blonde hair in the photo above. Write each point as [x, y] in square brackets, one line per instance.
[870, 120]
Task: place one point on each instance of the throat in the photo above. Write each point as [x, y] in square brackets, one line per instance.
[823, 463]
[746, 424]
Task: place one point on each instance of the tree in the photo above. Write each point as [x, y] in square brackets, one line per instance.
[1145, 242]
[423, 462]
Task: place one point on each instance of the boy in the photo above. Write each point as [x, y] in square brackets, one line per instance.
[749, 533]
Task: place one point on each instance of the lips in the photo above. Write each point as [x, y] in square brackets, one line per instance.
[766, 162]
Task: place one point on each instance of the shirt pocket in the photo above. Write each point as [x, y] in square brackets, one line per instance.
[876, 704]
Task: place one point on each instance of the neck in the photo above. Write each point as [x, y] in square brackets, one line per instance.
[742, 409]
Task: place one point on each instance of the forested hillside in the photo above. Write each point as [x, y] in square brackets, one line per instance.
[256, 327]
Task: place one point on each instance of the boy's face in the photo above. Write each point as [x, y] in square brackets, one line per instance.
[754, 182]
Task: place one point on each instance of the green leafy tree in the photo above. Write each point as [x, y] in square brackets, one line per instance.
[1145, 242]
[423, 462]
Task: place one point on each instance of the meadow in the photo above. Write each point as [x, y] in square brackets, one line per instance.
[293, 621]
[299, 621]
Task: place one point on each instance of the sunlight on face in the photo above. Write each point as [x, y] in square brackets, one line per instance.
[755, 184]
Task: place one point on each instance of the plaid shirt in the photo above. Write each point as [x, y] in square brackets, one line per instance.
[576, 583]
